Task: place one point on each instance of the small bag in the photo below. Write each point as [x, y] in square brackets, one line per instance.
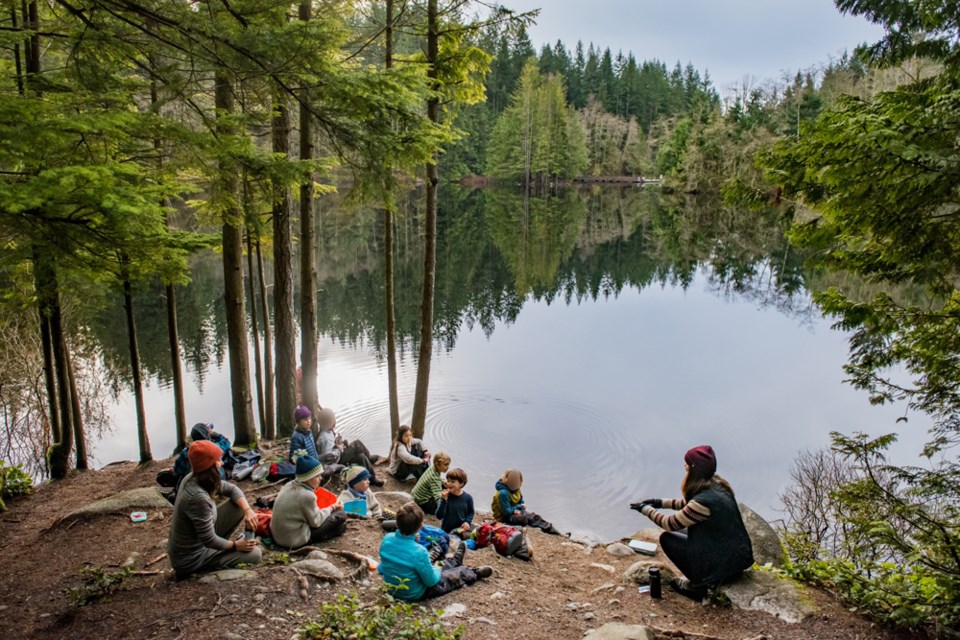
[167, 478]
[429, 534]
[264, 517]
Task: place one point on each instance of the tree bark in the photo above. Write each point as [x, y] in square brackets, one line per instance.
[176, 365]
[255, 333]
[270, 431]
[49, 370]
[388, 266]
[77, 412]
[430, 240]
[142, 437]
[286, 374]
[245, 433]
[308, 271]
[60, 453]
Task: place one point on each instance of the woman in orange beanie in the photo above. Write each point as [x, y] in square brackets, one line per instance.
[199, 527]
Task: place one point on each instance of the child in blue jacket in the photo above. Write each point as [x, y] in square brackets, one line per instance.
[407, 567]
[302, 438]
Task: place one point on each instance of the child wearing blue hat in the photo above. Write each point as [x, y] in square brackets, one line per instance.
[297, 520]
[358, 488]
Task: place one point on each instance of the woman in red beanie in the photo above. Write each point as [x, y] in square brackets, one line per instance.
[715, 546]
[197, 531]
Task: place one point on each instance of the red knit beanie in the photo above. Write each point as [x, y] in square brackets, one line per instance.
[703, 459]
[203, 454]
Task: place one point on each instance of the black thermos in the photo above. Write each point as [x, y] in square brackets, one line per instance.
[655, 591]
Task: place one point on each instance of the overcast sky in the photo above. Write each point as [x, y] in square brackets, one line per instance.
[731, 39]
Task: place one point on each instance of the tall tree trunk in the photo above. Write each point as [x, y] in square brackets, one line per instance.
[176, 365]
[255, 332]
[270, 431]
[308, 252]
[430, 240]
[60, 453]
[173, 333]
[77, 413]
[41, 280]
[286, 374]
[142, 437]
[245, 433]
[388, 266]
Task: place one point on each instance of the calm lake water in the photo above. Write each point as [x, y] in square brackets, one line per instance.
[589, 339]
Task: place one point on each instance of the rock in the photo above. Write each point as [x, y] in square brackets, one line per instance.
[620, 550]
[589, 616]
[768, 592]
[229, 635]
[497, 595]
[639, 572]
[228, 575]
[573, 606]
[393, 500]
[483, 620]
[620, 631]
[767, 548]
[604, 587]
[583, 537]
[141, 499]
[260, 597]
[132, 560]
[453, 610]
[603, 567]
[613, 602]
[277, 619]
[316, 554]
[233, 598]
[319, 569]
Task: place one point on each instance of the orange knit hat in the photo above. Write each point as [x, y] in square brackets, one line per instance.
[203, 454]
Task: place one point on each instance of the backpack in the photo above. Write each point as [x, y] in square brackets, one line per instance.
[282, 470]
[167, 478]
[505, 539]
[429, 534]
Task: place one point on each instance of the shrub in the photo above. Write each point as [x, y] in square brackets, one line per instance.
[98, 583]
[14, 481]
[347, 617]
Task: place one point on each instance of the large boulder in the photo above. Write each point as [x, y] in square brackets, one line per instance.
[639, 572]
[393, 500]
[143, 499]
[322, 569]
[620, 631]
[771, 593]
[767, 548]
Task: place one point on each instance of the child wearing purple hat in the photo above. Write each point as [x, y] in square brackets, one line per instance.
[705, 538]
[301, 442]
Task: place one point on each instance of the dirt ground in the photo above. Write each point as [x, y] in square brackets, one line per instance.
[560, 594]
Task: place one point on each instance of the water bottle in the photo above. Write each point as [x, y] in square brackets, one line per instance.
[655, 590]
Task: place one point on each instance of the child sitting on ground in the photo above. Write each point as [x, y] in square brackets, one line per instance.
[302, 438]
[297, 520]
[358, 488]
[407, 567]
[334, 448]
[455, 510]
[508, 504]
[408, 458]
[426, 493]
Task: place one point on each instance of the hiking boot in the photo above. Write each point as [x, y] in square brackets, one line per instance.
[375, 481]
[552, 530]
[375, 459]
[483, 572]
[683, 587]
[435, 551]
[459, 553]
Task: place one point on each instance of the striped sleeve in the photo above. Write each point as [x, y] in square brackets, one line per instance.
[693, 512]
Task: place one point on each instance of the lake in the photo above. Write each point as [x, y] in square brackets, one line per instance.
[589, 338]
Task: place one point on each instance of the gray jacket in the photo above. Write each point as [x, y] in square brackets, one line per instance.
[193, 528]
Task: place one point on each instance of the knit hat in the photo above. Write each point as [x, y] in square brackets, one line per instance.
[301, 413]
[203, 454]
[703, 459]
[201, 431]
[326, 418]
[356, 475]
[308, 467]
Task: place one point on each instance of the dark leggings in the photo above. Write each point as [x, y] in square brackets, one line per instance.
[405, 470]
[357, 453]
[524, 519]
[330, 528]
[688, 559]
[453, 575]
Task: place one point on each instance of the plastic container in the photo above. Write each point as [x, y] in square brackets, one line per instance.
[138, 516]
[324, 498]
